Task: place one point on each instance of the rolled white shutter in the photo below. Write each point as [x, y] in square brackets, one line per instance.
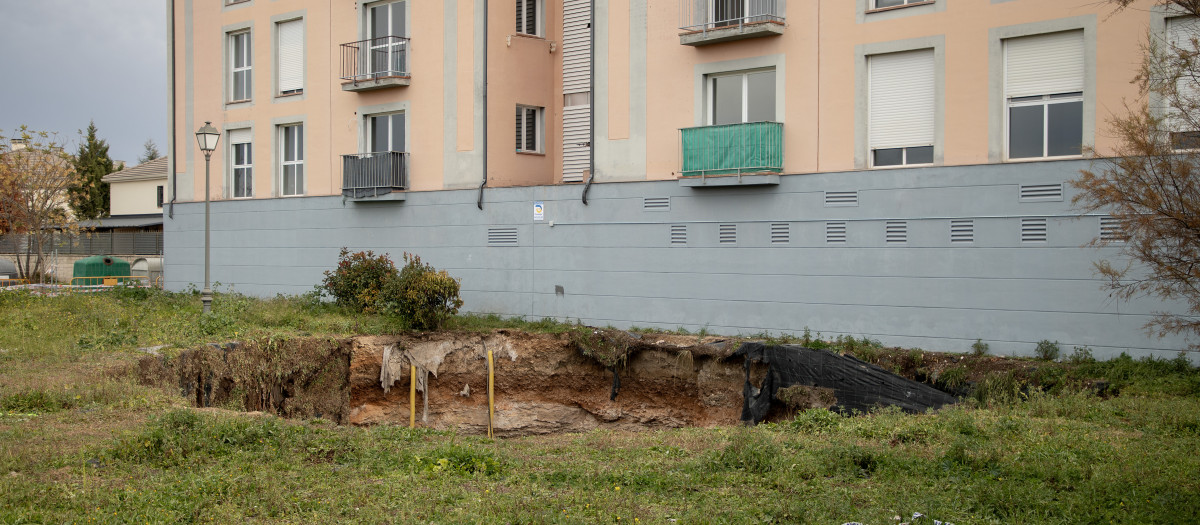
[291, 55]
[239, 136]
[902, 93]
[1044, 64]
[1182, 36]
[576, 79]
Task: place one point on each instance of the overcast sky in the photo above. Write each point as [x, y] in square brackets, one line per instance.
[65, 62]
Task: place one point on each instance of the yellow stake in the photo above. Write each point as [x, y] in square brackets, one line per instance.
[412, 398]
[491, 393]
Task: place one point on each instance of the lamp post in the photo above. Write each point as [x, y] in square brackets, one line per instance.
[207, 136]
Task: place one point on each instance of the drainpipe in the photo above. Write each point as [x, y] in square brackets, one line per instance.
[479, 201]
[171, 150]
[591, 103]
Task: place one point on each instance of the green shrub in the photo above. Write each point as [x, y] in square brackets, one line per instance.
[815, 421]
[422, 296]
[358, 279]
[748, 451]
[1047, 351]
[1081, 355]
[979, 348]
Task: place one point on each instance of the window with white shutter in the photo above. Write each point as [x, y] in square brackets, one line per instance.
[576, 82]
[902, 108]
[1043, 87]
[529, 129]
[289, 48]
[1183, 39]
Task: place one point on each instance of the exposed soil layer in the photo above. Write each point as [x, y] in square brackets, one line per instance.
[547, 383]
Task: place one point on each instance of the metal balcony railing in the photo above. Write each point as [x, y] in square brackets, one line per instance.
[707, 15]
[374, 174]
[754, 147]
[386, 56]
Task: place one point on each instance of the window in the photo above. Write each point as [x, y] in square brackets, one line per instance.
[159, 199]
[385, 132]
[902, 108]
[291, 157]
[387, 24]
[880, 4]
[239, 66]
[290, 57]
[241, 156]
[529, 129]
[529, 17]
[1182, 33]
[1043, 88]
[741, 97]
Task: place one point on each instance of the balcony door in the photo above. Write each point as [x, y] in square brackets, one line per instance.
[388, 45]
[741, 97]
[386, 132]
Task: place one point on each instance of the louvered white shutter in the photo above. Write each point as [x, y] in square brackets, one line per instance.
[291, 56]
[1044, 64]
[902, 99]
[239, 136]
[577, 78]
[1183, 36]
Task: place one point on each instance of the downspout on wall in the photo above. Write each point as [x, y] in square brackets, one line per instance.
[171, 106]
[591, 103]
[486, 22]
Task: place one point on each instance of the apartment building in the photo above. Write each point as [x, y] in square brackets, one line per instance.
[894, 169]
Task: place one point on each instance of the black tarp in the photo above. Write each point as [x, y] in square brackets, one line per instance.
[856, 384]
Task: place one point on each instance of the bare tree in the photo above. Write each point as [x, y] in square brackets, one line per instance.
[35, 177]
[1150, 182]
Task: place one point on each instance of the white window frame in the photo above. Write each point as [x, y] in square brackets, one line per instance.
[539, 123]
[279, 91]
[391, 47]
[248, 68]
[234, 167]
[538, 14]
[1045, 101]
[284, 162]
[710, 91]
[903, 149]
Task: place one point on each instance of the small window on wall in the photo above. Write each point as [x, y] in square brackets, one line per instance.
[1044, 81]
[241, 163]
[737, 98]
[880, 4]
[291, 157]
[529, 129]
[529, 17]
[239, 66]
[1183, 33]
[159, 199]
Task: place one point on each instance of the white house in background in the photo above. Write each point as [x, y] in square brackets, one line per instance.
[136, 197]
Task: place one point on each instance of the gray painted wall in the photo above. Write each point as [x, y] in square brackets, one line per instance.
[616, 264]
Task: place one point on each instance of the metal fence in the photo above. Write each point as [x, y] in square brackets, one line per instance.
[732, 148]
[95, 243]
[706, 15]
[368, 174]
[386, 56]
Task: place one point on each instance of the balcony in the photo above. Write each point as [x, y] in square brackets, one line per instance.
[732, 154]
[706, 22]
[375, 176]
[377, 63]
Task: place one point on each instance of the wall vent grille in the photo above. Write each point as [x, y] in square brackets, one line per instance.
[962, 231]
[896, 232]
[841, 198]
[835, 233]
[678, 234]
[1033, 230]
[781, 233]
[502, 236]
[656, 204]
[1041, 192]
[727, 234]
[1111, 230]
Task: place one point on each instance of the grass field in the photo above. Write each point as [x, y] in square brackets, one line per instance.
[83, 442]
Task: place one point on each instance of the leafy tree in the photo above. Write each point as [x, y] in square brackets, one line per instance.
[90, 197]
[34, 187]
[1150, 182]
[150, 153]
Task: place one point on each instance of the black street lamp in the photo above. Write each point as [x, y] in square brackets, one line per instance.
[207, 137]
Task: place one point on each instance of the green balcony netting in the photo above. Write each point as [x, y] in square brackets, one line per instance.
[733, 149]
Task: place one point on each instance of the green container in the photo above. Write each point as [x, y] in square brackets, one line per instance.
[101, 269]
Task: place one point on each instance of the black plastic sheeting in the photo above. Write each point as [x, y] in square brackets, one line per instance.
[857, 385]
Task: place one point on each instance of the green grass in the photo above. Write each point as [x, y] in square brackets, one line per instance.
[84, 443]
